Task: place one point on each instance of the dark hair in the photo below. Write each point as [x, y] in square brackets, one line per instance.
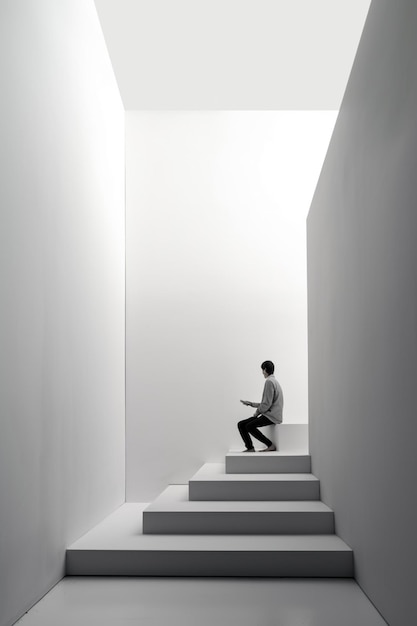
[268, 366]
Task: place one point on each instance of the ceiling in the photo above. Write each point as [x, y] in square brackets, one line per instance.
[232, 54]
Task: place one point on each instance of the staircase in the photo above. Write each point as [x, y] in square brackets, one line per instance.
[258, 514]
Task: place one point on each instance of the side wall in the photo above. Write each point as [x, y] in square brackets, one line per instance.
[362, 286]
[62, 290]
[216, 278]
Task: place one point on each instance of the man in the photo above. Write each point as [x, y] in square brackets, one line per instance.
[268, 411]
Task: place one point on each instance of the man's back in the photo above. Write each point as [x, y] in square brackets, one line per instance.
[272, 401]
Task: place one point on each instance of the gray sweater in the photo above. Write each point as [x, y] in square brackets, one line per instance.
[272, 401]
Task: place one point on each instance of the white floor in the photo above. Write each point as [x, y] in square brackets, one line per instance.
[106, 601]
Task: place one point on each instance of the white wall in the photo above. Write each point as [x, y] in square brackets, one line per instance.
[363, 311]
[216, 278]
[62, 290]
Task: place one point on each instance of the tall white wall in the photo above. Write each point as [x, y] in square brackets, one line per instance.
[216, 278]
[62, 290]
[362, 260]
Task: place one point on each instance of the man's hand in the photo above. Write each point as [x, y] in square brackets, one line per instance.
[246, 402]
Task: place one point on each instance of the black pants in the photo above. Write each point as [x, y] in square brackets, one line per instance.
[250, 427]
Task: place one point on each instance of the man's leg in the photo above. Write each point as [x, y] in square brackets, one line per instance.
[251, 425]
[258, 422]
[243, 429]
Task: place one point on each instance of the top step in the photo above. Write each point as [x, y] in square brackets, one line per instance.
[268, 462]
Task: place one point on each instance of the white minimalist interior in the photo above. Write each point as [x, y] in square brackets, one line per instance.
[215, 277]
[71, 412]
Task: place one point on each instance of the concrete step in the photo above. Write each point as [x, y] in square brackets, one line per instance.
[212, 483]
[268, 462]
[173, 513]
[117, 547]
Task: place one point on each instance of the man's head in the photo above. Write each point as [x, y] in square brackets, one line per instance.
[267, 368]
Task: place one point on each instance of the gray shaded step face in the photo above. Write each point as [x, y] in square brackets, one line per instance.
[117, 547]
[267, 463]
[237, 563]
[173, 513]
[212, 483]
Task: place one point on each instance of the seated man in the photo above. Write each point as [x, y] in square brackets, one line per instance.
[268, 411]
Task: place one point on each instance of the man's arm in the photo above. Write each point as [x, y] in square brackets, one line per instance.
[247, 403]
[267, 399]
